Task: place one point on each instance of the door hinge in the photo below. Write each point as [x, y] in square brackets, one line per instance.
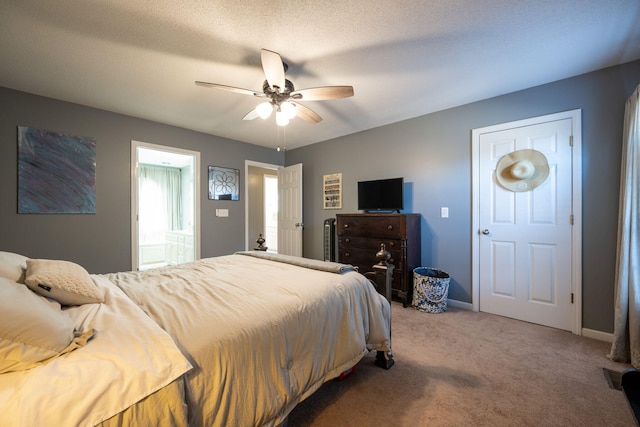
[571, 219]
[571, 141]
[571, 297]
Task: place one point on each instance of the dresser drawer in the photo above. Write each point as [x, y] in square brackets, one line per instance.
[365, 258]
[370, 243]
[392, 226]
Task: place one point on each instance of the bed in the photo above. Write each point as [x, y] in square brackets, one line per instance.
[233, 340]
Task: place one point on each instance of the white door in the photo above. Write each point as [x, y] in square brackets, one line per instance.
[290, 210]
[525, 238]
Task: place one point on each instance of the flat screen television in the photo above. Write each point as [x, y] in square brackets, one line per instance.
[381, 195]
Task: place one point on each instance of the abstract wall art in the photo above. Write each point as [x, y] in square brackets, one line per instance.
[224, 183]
[56, 173]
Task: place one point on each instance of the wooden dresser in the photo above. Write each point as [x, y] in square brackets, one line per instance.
[360, 236]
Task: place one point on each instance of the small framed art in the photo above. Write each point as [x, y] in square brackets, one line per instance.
[332, 191]
[224, 183]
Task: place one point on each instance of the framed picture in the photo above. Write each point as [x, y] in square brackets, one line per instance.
[224, 183]
[332, 191]
[56, 172]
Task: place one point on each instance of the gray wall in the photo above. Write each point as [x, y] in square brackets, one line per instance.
[433, 154]
[102, 242]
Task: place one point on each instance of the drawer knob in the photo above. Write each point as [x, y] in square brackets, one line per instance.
[389, 227]
[347, 254]
[392, 244]
[392, 261]
[347, 240]
[346, 226]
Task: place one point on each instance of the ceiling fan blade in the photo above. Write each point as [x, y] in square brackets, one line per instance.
[230, 89]
[322, 93]
[307, 114]
[273, 68]
[253, 114]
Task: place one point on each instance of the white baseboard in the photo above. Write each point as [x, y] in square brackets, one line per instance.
[589, 333]
[597, 335]
[460, 304]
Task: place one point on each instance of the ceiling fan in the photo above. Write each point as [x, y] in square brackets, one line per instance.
[281, 95]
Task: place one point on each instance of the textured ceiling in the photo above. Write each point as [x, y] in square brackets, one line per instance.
[141, 58]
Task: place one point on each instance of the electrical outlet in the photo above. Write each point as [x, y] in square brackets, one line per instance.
[222, 213]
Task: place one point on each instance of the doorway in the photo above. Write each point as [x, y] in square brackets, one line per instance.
[259, 204]
[526, 242]
[289, 206]
[165, 205]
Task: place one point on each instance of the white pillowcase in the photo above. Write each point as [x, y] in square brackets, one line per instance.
[13, 266]
[31, 330]
[64, 281]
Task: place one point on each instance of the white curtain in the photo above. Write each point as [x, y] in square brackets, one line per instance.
[160, 203]
[626, 335]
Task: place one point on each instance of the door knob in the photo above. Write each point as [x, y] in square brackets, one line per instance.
[485, 231]
[299, 224]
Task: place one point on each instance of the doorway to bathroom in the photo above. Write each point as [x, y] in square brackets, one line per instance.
[165, 205]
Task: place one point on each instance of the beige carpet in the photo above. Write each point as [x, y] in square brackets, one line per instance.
[462, 368]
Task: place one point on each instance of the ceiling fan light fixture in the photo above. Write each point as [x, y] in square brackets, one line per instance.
[282, 94]
[281, 118]
[289, 109]
[264, 110]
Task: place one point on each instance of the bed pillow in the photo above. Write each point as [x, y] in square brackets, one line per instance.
[13, 266]
[31, 330]
[64, 281]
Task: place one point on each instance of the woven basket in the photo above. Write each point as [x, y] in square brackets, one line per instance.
[430, 289]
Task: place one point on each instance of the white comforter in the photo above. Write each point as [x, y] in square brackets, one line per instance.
[262, 335]
[128, 358]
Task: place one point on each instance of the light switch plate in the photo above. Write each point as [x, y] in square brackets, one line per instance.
[444, 212]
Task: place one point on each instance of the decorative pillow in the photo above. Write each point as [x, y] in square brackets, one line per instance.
[64, 281]
[31, 330]
[13, 266]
